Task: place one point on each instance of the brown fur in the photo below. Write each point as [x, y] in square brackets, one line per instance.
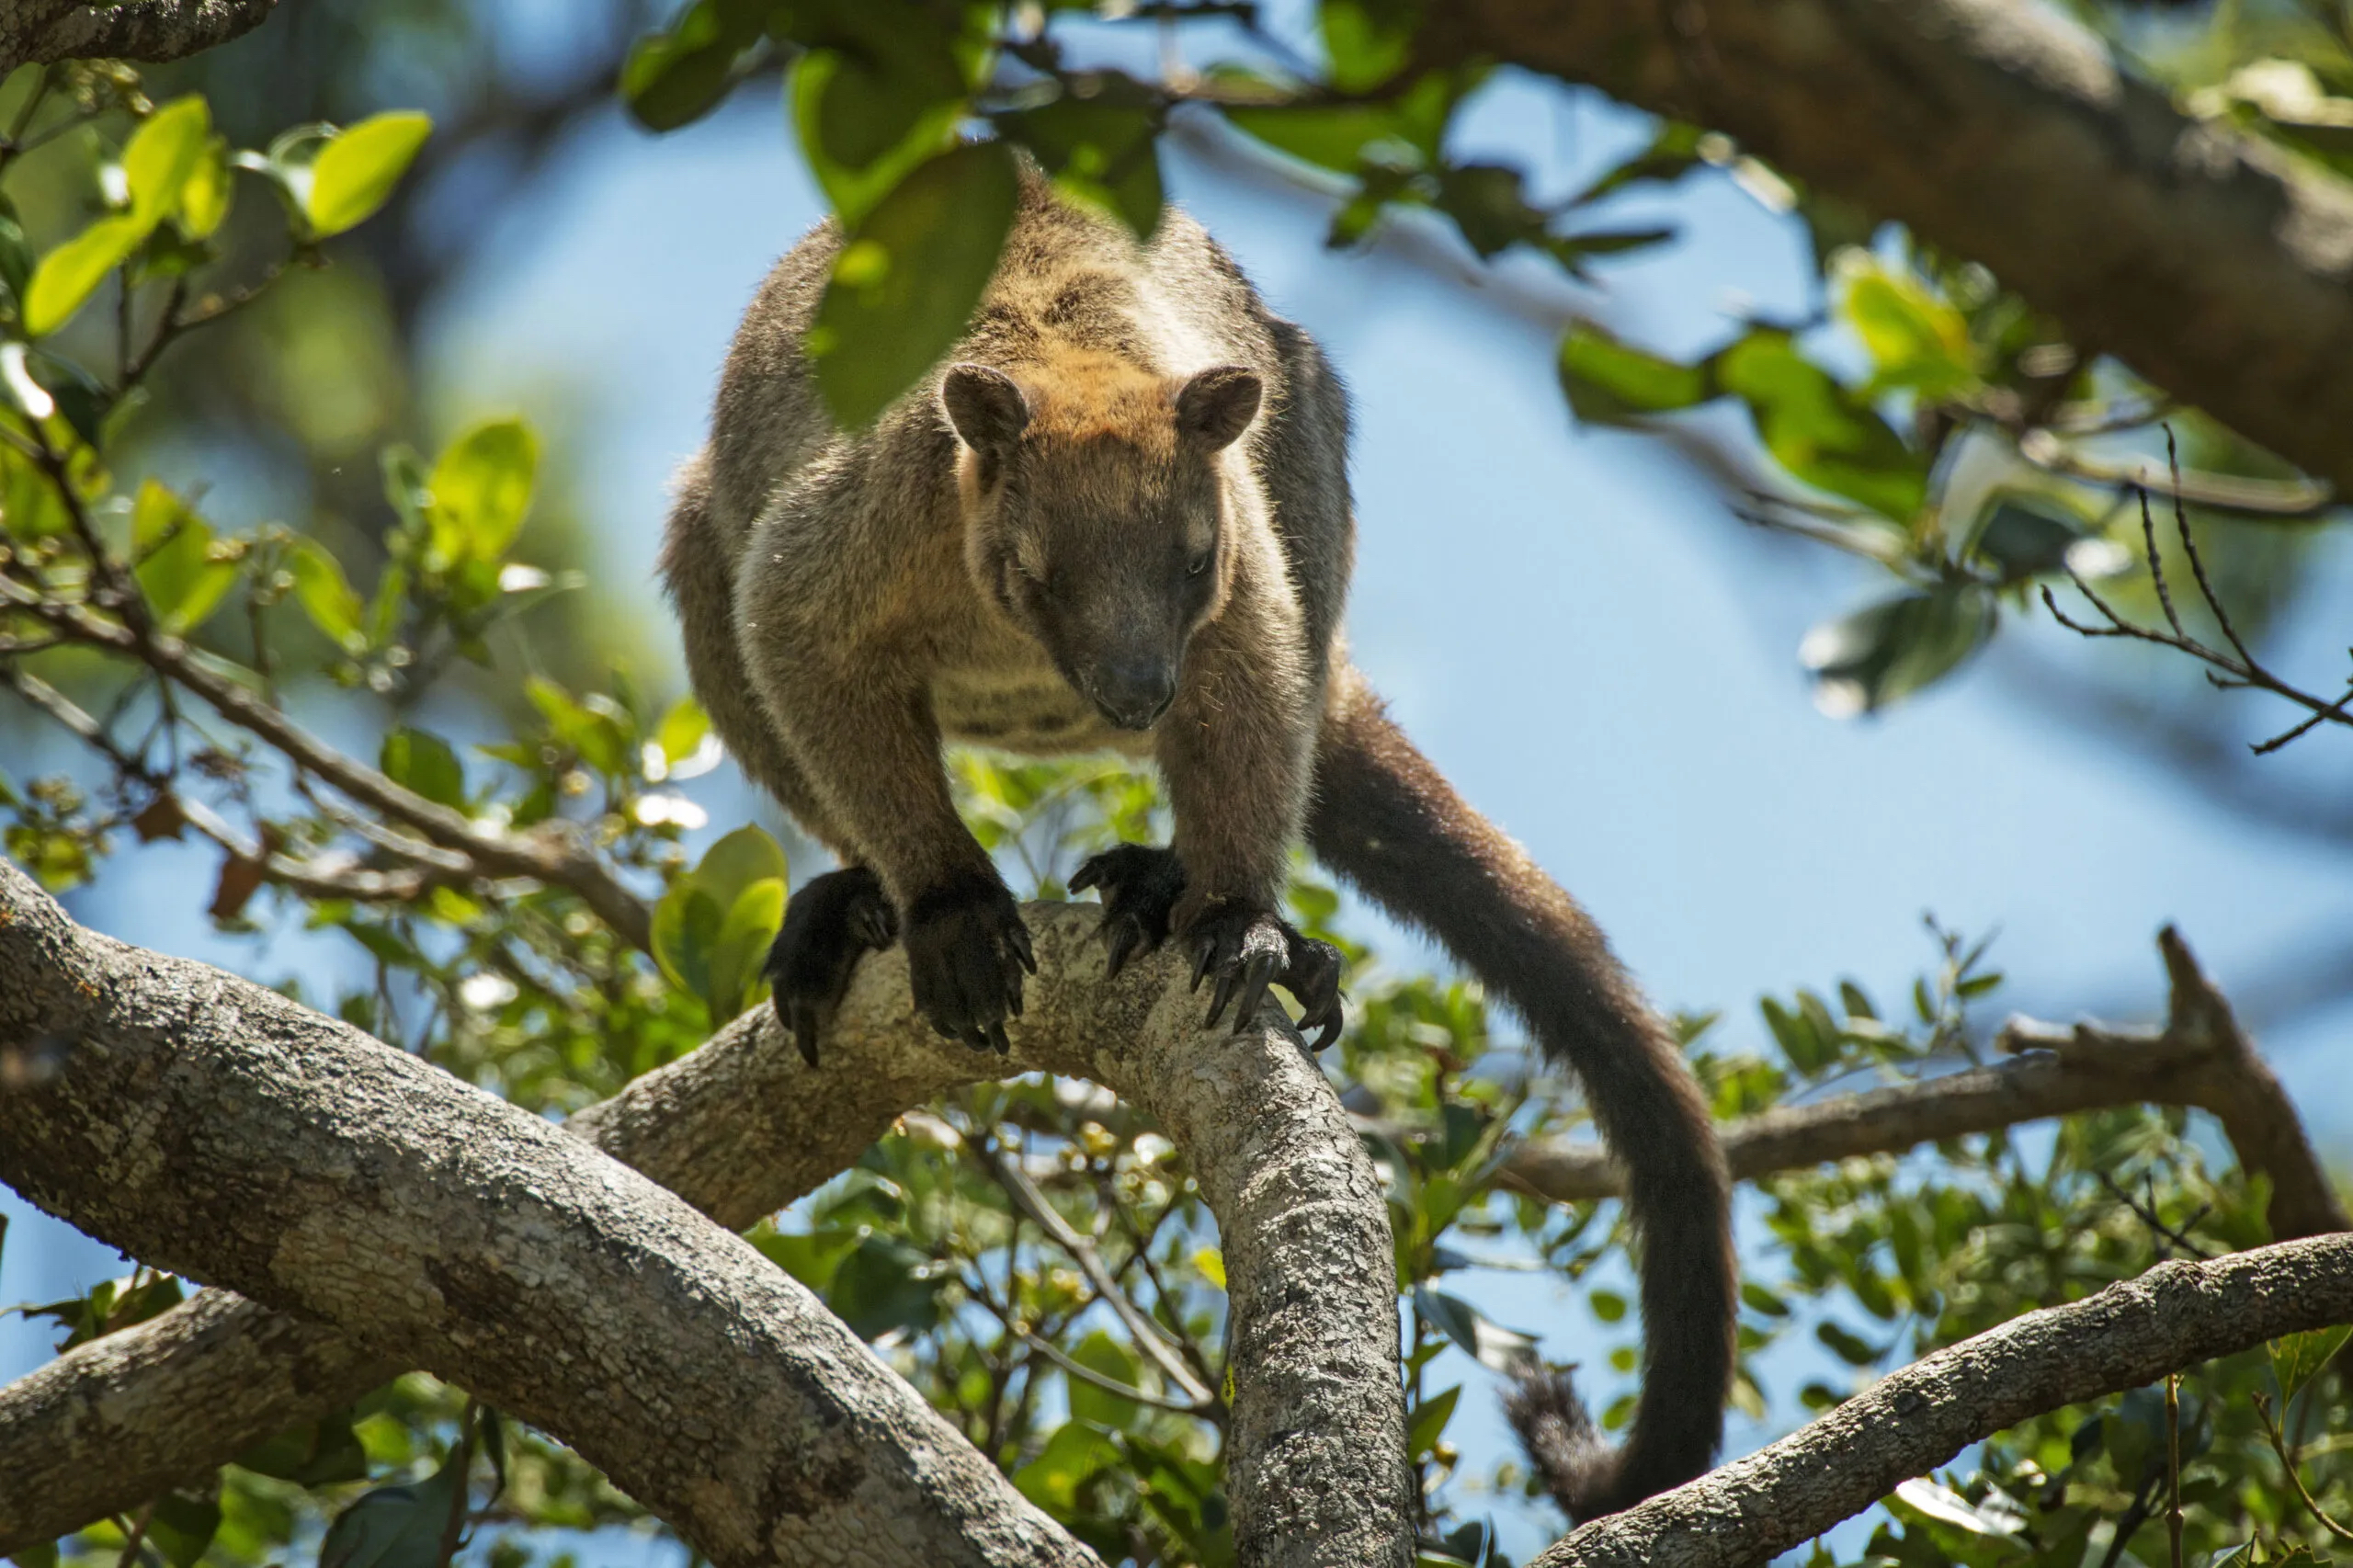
[1131, 470]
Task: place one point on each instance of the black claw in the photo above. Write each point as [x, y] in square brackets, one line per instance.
[1087, 876]
[1020, 936]
[1204, 953]
[1119, 940]
[996, 1038]
[1256, 977]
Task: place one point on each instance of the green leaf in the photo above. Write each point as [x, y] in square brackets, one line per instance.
[2021, 541]
[905, 283]
[319, 1454]
[1367, 41]
[1210, 1262]
[1103, 152]
[326, 595]
[1945, 1506]
[885, 1284]
[682, 731]
[1098, 1352]
[1863, 662]
[1673, 153]
[423, 761]
[742, 947]
[354, 174]
[161, 155]
[1610, 383]
[1427, 1423]
[1073, 1456]
[731, 866]
[2298, 1359]
[686, 925]
[1848, 1346]
[675, 78]
[182, 1526]
[41, 1556]
[70, 274]
[1814, 428]
[837, 134]
[1916, 340]
[181, 572]
[1489, 1343]
[397, 1526]
[481, 488]
[208, 192]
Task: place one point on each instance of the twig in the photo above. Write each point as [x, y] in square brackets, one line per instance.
[1087, 1374]
[2288, 1464]
[1142, 1327]
[2201, 1058]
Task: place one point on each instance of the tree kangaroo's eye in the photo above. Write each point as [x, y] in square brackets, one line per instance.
[1198, 565]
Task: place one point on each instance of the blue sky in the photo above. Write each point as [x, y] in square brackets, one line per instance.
[1575, 629]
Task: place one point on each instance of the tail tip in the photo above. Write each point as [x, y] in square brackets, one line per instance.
[1582, 1471]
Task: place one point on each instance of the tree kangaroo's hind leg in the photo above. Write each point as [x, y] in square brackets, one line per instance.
[835, 919]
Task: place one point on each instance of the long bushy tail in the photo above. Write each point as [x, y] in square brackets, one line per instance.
[1388, 822]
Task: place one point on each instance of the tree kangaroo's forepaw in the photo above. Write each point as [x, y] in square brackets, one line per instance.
[1140, 886]
[967, 950]
[832, 922]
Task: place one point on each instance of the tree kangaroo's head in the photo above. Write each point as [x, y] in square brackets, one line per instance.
[1095, 514]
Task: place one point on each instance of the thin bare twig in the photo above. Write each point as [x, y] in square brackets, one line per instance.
[1142, 1327]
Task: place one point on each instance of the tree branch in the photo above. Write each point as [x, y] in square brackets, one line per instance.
[1317, 1471]
[222, 1130]
[2202, 1059]
[2176, 1315]
[41, 31]
[2215, 264]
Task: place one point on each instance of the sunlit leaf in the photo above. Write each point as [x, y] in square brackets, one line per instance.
[424, 762]
[1098, 1352]
[183, 571]
[325, 595]
[481, 488]
[70, 274]
[354, 174]
[1944, 1504]
[741, 945]
[1610, 383]
[1367, 41]
[906, 281]
[1426, 1423]
[674, 78]
[206, 195]
[1814, 428]
[162, 154]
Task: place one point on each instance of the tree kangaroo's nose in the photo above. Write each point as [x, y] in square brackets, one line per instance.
[1132, 692]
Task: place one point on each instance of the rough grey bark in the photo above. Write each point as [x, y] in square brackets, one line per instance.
[2202, 1059]
[219, 1130]
[39, 31]
[1911, 1421]
[1316, 1468]
[2217, 265]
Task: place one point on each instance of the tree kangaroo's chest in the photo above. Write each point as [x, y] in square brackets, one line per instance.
[1022, 707]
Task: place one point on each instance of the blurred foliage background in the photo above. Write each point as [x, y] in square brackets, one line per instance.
[222, 425]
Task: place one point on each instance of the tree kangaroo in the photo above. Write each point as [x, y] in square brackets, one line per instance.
[1119, 518]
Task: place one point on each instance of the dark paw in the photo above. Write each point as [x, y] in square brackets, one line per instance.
[1249, 949]
[966, 951]
[832, 922]
[1140, 886]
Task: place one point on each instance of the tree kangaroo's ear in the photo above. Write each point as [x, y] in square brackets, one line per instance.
[1218, 404]
[988, 411]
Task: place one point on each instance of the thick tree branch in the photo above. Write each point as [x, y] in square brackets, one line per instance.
[222, 1130]
[1315, 1463]
[2202, 1059]
[2176, 1315]
[2217, 265]
[40, 31]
